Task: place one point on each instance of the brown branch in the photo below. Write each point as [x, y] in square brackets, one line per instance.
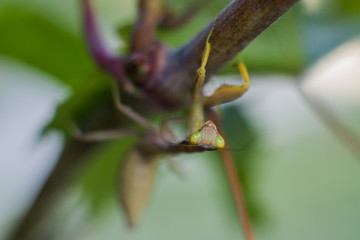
[236, 26]
[234, 181]
[172, 21]
[150, 13]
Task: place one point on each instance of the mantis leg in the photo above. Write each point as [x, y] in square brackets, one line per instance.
[100, 135]
[171, 21]
[136, 117]
[169, 135]
[201, 133]
[175, 166]
[228, 93]
[196, 110]
[166, 131]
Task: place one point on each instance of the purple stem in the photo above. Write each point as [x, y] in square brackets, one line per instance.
[108, 61]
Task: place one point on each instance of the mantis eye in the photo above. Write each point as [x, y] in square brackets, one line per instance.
[219, 142]
[195, 137]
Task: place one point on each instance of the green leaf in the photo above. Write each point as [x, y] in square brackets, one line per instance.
[349, 6]
[99, 178]
[43, 45]
[51, 49]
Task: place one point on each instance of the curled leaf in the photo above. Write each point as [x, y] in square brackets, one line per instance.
[135, 185]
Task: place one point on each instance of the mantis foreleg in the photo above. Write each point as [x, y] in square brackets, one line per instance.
[206, 133]
[201, 133]
[136, 117]
[228, 93]
[196, 110]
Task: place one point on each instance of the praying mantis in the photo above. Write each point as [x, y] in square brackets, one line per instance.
[162, 80]
[137, 174]
[139, 167]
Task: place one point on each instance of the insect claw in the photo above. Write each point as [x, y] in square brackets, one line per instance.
[228, 93]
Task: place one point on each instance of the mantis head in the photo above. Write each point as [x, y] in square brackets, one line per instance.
[207, 135]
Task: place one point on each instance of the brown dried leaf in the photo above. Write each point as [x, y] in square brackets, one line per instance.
[135, 186]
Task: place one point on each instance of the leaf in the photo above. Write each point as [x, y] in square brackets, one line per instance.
[93, 95]
[349, 6]
[43, 45]
[99, 178]
[51, 49]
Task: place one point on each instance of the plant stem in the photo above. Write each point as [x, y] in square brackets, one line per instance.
[150, 13]
[347, 137]
[234, 181]
[32, 226]
[236, 26]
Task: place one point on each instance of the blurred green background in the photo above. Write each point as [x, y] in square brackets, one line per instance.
[301, 181]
